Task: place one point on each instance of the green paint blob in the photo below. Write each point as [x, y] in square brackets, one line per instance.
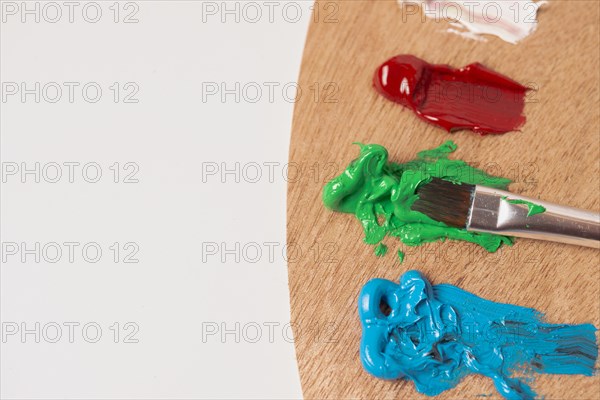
[532, 207]
[401, 256]
[381, 250]
[380, 194]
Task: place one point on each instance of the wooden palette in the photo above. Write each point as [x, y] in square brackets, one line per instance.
[555, 158]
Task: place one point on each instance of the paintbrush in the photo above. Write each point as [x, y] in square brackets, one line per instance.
[483, 209]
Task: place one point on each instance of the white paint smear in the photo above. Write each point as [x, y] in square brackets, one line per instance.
[510, 20]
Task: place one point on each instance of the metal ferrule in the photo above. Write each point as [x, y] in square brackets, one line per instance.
[493, 214]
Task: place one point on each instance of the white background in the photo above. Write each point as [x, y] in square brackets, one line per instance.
[203, 322]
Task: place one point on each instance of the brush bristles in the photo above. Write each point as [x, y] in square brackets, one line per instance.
[445, 201]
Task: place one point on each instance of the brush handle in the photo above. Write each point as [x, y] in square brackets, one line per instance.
[494, 211]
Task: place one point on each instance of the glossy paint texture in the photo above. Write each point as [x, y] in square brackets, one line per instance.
[380, 194]
[511, 21]
[474, 97]
[532, 208]
[436, 335]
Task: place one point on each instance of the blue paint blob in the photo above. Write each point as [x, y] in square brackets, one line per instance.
[436, 335]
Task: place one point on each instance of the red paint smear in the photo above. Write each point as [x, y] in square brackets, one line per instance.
[473, 97]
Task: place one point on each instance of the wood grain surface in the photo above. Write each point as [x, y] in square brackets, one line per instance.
[555, 157]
